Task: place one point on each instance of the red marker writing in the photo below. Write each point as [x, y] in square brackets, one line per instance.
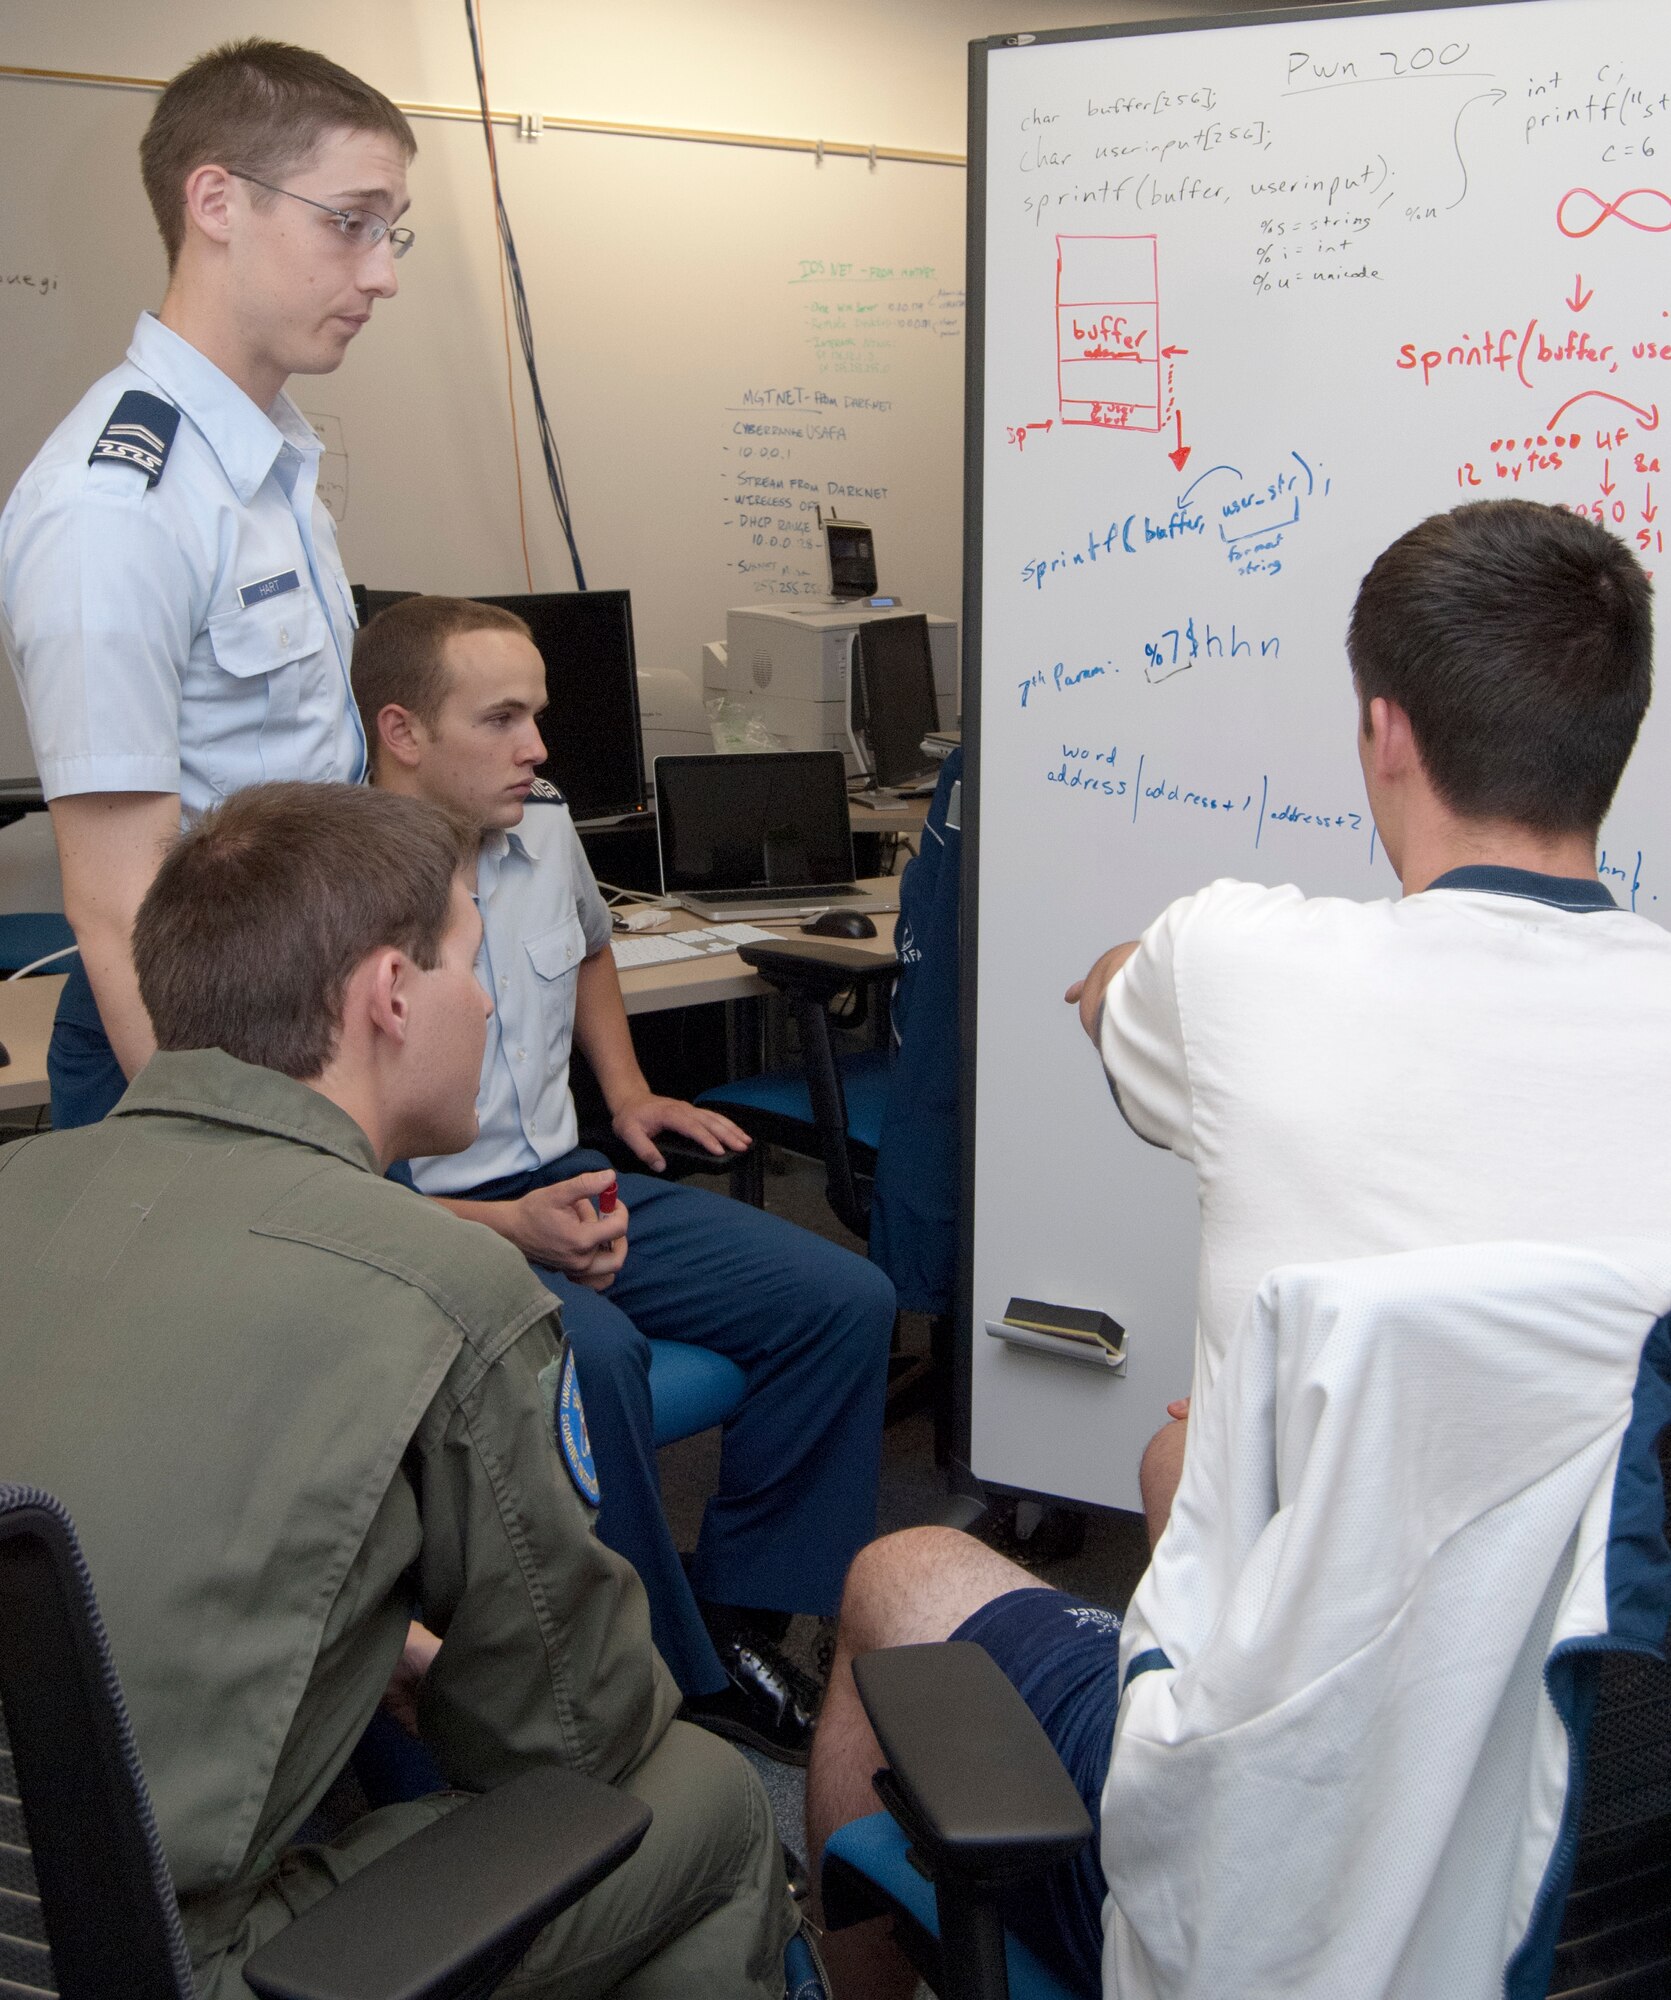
[606, 1200]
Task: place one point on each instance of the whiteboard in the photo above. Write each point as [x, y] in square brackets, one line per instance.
[1247, 302]
[728, 338]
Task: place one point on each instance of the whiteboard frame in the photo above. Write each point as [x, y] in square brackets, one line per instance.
[964, 1476]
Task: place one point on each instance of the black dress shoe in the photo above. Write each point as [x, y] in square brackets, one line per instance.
[766, 1703]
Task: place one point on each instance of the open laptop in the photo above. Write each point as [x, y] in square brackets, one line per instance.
[757, 836]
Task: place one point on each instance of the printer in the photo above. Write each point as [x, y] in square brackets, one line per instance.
[790, 666]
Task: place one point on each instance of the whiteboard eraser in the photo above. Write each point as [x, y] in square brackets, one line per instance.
[1072, 1333]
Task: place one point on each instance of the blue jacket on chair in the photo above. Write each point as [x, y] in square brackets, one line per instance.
[913, 1217]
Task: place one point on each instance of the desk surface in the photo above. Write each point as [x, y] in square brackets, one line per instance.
[26, 1010]
[647, 989]
[28, 1005]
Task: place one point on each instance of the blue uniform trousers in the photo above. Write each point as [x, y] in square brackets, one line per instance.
[81, 1067]
[809, 1325]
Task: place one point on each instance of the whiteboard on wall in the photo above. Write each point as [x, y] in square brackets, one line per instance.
[1248, 301]
[728, 338]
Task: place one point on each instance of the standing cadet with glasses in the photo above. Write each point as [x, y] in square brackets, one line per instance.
[170, 591]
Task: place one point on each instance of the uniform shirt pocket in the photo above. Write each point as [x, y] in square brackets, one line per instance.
[555, 956]
[264, 655]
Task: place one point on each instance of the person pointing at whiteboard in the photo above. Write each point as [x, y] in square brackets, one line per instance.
[171, 596]
[1484, 1061]
[1479, 1061]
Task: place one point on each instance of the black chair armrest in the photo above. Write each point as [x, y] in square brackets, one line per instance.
[433, 1918]
[683, 1156]
[815, 968]
[972, 1777]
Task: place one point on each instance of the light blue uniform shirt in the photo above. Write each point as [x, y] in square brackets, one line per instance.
[192, 636]
[541, 915]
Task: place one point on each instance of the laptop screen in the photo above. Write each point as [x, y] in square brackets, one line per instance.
[773, 821]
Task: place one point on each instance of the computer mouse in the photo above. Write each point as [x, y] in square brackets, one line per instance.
[842, 924]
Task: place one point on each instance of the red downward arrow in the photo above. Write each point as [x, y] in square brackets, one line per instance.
[1174, 350]
[1182, 453]
[1649, 510]
[1608, 482]
[1580, 298]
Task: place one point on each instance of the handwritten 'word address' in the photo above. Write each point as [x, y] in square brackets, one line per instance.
[1101, 775]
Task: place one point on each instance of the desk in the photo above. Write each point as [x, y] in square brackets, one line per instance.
[648, 989]
[28, 1005]
[26, 1010]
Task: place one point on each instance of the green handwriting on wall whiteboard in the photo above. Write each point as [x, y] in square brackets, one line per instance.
[815, 270]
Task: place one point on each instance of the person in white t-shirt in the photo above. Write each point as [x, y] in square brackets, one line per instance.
[1488, 1058]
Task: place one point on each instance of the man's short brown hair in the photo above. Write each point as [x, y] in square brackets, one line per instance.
[257, 919]
[398, 655]
[253, 107]
[1519, 640]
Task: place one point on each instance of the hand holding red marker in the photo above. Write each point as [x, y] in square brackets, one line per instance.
[608, 1198]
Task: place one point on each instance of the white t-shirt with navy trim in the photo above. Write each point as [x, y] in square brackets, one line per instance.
[1487, 1060]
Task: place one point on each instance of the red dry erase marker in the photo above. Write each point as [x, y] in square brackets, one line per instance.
[606, 1200]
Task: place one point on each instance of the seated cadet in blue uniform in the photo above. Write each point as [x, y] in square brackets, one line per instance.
[170, 591]
[450, 693]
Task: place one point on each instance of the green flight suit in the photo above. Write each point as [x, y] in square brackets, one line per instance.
[282, 1397]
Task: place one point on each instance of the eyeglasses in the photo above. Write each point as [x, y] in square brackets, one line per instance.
[360, 229]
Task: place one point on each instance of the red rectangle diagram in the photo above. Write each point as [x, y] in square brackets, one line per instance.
[1108, 332]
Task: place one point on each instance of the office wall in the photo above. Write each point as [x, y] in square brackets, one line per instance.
[665, 280]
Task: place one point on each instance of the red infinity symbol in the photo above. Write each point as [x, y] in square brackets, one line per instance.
[1619, 208]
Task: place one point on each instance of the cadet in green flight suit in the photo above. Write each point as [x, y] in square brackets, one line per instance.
[282, 1397]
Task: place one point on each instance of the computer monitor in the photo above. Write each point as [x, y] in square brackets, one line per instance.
[591, 725]
[852, 552]
[367, 603]
[893, 700]
[772, 820]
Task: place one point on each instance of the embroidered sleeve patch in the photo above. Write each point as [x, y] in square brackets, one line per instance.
[140, 433]
[568, 1423]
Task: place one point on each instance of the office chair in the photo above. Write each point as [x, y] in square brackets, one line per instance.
[863, 1114]
[831, 1107]
[882, 1121]
[828, 1107]
[976, 1803]
[34, 939]
[87, 1910]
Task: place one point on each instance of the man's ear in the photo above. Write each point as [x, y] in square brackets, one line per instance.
[1390, 743]
[400, 735]
[381, 986]
[209, 202]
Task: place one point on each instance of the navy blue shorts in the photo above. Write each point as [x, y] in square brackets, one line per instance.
[1062, 1656]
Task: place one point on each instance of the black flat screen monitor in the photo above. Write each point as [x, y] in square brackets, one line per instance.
[894, 705]
[367, 603]
[776, 819]
[852, 552]
[591, 728]
[595, 749]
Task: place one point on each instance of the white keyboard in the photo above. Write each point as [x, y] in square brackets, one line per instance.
[632, 952]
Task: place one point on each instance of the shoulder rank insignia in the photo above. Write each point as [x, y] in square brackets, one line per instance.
[572, 1438]
[140, 432]
[546, 793]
